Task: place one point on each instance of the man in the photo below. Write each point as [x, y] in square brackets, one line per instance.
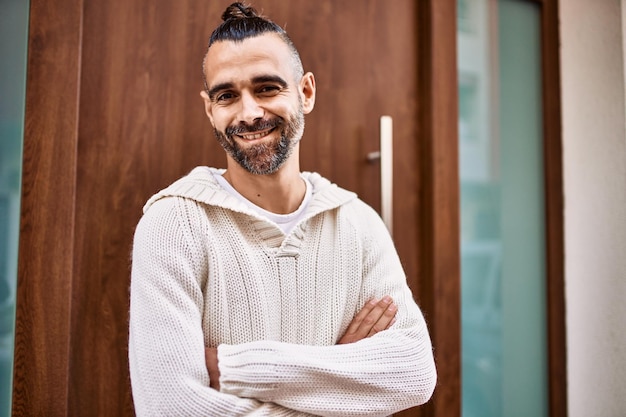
[261, 290]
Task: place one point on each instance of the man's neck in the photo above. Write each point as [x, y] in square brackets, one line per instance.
[281, 192]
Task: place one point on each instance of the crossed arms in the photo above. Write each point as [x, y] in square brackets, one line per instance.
[374, 317]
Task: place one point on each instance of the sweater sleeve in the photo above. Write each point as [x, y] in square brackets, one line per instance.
[376, 376]
[166, 343]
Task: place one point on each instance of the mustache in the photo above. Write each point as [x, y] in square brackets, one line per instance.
[258, 125]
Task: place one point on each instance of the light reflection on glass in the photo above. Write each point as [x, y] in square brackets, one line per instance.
[502, 223]
[13, 45]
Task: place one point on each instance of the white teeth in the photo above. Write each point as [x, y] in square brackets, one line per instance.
[254, 136]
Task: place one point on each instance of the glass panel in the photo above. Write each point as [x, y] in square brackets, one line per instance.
[13, 45]
[502, 217]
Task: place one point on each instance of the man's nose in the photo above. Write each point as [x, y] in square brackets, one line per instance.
[249, 110]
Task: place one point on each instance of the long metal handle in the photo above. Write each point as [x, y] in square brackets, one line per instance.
[386, 170]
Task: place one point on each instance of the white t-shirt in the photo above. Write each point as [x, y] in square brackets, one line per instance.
[286, 222]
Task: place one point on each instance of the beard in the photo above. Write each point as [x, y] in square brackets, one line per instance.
[267, 157]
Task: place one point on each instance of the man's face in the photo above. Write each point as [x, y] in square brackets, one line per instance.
[254, 102]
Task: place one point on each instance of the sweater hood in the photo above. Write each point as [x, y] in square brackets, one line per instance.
[200, 185]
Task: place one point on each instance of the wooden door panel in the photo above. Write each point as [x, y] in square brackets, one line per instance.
[44, 287]
[142, 125]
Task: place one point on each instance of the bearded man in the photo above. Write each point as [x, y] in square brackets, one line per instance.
[259, 289]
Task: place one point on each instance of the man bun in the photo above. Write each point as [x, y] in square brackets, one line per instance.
[239, 11]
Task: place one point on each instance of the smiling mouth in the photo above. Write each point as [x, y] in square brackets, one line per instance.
[256, 135]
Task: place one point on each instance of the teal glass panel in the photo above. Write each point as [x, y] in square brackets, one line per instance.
[13, 46]
[504, 359]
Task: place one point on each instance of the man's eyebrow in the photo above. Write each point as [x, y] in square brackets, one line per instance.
[219, 87]
[269, 79]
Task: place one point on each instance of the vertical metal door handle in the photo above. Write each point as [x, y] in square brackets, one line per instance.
[386, 170]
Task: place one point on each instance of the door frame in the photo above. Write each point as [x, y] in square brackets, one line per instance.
[554, 209]
[439, 224]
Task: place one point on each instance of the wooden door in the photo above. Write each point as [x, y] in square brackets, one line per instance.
[113, 114]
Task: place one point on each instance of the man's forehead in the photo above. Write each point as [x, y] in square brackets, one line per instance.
[262, 47]
[252, 58]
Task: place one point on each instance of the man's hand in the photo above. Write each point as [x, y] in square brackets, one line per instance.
[210, 357]
[375, 316]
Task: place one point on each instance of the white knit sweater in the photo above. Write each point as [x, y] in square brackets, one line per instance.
[208, 271]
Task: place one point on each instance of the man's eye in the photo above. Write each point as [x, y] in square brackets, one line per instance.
[269, 90]
[224, 97]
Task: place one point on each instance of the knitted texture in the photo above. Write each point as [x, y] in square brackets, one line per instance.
[207, 271]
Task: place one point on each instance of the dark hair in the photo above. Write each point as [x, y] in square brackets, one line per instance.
[242, 22]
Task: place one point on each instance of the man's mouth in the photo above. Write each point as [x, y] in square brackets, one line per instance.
[255, 135]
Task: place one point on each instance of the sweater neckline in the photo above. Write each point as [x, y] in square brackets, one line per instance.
[200, 185]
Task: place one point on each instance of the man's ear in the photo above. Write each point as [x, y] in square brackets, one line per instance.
[307, 92]
[207, 105]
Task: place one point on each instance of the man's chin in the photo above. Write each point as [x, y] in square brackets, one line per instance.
[264, 169]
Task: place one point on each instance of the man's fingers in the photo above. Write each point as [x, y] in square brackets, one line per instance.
[375, 316]
[210, 357]
[361, 315]
[385, 321]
